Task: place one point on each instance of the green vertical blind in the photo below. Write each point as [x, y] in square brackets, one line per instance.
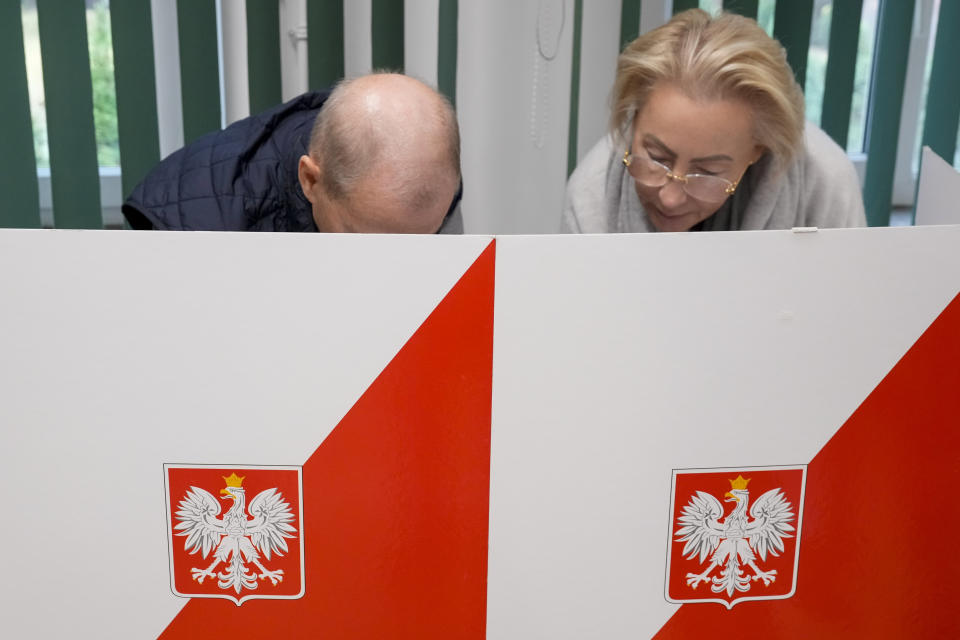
[74, 173]
[886, 100]
[137, 129]
[629, 22]
[841, 69]
[263, 54]
[743, 7]
[791, 26]
[18, 164]
[943, 98]
[447, 40]
[325, 34]
[386, 29]
[199, 67]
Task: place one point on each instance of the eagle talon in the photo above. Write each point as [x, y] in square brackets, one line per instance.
[767, 576]
[200, 574]
[694, 579]
[276, 577]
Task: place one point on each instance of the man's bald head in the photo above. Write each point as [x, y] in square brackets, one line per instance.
[386, 148]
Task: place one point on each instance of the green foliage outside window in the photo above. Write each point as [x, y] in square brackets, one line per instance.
[104, 92]
[817, 70]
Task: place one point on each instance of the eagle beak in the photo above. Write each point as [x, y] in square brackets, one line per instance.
[226, 493]
[733, 498]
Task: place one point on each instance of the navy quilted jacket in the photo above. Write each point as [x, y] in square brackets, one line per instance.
[243, 178]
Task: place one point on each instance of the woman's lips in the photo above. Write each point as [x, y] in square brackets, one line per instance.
[667, 214]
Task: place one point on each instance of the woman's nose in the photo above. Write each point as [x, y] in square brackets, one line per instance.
[672, 194]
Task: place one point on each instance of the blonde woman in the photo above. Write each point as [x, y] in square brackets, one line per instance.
[707, 133]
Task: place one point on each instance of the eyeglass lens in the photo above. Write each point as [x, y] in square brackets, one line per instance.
[651, 173]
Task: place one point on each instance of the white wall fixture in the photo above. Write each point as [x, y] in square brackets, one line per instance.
[293, 48]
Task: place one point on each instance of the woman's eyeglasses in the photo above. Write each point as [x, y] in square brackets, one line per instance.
[651, 173]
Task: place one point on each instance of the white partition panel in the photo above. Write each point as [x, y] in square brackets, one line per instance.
[491, 438]
[938, 191]
[620, 358]
[123, 351]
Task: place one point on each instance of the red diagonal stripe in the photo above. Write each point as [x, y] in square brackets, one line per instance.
[878, 551]
[396, 498]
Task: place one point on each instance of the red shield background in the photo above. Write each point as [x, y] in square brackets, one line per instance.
[179, 479]
[686, 483]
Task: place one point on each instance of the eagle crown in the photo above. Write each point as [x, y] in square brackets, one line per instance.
[738, 489]
[233, 480]
[234, 488]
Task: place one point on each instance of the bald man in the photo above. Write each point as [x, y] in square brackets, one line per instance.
[378, 154]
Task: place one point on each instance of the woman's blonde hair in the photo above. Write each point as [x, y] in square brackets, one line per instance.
[708, 58]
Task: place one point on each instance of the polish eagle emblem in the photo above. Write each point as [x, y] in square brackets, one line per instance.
[733, 543]
[243, 536]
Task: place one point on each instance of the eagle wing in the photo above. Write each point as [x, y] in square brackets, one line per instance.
[701, 528]
[197, 513]
[771, 515]
[270, 524]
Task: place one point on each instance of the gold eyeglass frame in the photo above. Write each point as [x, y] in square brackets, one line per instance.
[683, 179]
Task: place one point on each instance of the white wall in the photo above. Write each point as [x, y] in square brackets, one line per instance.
[513, 98]
[598, 56]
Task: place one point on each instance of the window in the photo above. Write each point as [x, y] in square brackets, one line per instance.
[100, 48]
[817, 68]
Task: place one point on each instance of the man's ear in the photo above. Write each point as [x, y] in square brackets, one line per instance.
[308, 172]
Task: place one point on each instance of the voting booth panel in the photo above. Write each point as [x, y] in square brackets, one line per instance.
[633, 373]
[129, 356]
[938, 191]
[612, 436]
